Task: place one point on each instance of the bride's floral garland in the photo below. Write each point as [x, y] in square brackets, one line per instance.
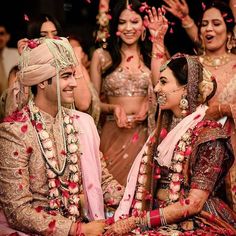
[63, 195]
[182, 153]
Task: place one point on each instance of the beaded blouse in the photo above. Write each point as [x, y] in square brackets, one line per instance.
[122, 82]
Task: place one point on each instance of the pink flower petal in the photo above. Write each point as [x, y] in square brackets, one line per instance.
[135, 137]
[163, 133]
[26, 18]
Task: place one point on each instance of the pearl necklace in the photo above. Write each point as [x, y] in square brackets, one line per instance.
[215, 62]
[63, 195]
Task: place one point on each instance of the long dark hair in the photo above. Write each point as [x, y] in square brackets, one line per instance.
[114, 44]
[34, 26]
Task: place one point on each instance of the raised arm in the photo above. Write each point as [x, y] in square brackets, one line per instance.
[180, 9]
[157, 25]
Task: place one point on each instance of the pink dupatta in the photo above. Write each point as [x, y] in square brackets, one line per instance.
[164, 157]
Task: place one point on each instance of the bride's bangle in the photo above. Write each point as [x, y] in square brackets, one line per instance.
[157, 55]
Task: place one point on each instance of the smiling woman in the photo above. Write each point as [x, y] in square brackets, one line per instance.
[122, 76]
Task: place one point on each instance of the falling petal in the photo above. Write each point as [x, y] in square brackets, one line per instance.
[63, 152]
[129, 58]
[196, 117]
[118, 33]
[171, 30]
[109, 221]
[15, 153]
[26, 18]
[52, 226]
[135, 137]
[39, 126]
[203, 6]
[29, 150]
[187, 201]
[229, 20]
[24, 128]
[163, 133]
[224, 15]
[39, 209]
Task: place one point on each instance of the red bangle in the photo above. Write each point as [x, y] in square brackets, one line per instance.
[155, 219]
[79, 229]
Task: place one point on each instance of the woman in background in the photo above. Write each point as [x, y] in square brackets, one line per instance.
[121, 73]
[215, 33]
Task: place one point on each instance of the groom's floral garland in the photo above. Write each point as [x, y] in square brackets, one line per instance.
[63, 195]
[182, 153]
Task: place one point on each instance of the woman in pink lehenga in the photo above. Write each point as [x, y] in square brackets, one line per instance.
[123, 72]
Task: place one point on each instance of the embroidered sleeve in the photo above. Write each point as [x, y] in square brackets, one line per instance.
[16, 196]
[208, 165]
[112, 190]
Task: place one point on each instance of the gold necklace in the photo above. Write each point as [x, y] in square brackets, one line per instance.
[216, 62]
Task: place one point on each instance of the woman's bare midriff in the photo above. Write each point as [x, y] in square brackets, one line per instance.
[131, 105]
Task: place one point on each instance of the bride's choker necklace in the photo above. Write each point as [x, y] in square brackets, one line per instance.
[216, 61]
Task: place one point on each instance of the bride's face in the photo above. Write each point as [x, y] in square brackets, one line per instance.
[169, 92]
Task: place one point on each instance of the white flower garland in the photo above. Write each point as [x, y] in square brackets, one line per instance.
[63, 196]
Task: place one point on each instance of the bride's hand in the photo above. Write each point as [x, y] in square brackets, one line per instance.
[156, 23]
[121, 227]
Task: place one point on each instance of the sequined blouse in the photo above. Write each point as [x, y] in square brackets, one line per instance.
[121, 82]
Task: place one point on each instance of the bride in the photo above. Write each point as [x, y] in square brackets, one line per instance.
[176, 182]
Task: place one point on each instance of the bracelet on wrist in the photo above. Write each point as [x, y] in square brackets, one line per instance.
[188, 25]
[158, 55]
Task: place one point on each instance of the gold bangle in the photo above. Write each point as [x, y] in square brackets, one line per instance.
[189, 25]
[220, 111]
[158, 55]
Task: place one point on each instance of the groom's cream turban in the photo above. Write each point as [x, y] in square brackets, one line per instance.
[43, 59]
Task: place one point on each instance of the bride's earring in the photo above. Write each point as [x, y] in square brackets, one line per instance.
[183, 105]
[162, 98]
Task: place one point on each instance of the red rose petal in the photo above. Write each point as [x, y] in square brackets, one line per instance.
[135, 137]
[52, 225]
[24, 128]
[39, 208]
[129, 58]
